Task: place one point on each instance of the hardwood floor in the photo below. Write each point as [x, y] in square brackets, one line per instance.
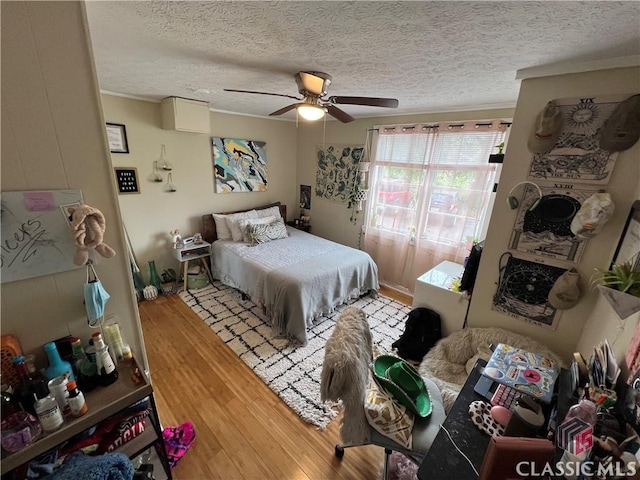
[243, 430]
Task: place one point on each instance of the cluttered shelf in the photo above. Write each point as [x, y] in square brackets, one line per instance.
[103, 402]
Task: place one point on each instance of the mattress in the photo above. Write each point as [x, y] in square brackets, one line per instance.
[296, 279]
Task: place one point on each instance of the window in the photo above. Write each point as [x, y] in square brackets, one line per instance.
[431, 186]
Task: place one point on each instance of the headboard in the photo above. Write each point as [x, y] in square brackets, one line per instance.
[209, 233]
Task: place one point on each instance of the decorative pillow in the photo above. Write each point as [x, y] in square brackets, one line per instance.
[269, 212]
[233, 223]
[222, 229]
[388, 417]
[244, 224]
[266, 233]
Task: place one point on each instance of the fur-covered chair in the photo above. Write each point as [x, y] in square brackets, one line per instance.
[450, 361]
[345, 376]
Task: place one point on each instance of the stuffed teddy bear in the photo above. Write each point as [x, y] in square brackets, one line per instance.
[88, 226]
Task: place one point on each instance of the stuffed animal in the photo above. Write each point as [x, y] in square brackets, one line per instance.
[88, 226]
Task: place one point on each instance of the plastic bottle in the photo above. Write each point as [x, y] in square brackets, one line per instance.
[29, 385]
[585, 411]
[86, 372]
[48, 412]
[113, 338]
[107, 372]
[76, 400]
[57, 366]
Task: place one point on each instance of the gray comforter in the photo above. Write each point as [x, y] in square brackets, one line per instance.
[296, 279]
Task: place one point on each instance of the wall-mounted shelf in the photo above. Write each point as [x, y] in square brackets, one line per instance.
[103, 402]
[622, 303]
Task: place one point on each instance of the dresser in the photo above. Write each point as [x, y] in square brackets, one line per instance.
[433, 290]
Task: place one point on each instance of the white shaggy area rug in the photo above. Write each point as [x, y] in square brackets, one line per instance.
[292, 373]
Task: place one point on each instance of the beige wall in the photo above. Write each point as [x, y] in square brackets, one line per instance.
[150, 215]
[330, 219]
[53, 137]
[623, 186]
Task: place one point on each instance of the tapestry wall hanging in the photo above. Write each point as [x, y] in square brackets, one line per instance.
[576, 155]
[239, 165]
[545, 231]
[523, 290]
[337, 171]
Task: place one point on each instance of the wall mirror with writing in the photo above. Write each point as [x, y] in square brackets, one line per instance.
[36, 233]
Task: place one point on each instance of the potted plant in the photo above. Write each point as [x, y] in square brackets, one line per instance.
[358, 195]
[497, 157]
[620, 285]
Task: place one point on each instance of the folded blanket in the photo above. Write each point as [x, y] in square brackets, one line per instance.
[110, 466]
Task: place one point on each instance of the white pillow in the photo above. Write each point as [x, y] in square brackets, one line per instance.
[244, 224]
[268, 212]
[222, 229]
[233, 223]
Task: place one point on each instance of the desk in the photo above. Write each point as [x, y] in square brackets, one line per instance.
[443, 460]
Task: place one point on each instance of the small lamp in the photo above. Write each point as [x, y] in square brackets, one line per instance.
[311, 112]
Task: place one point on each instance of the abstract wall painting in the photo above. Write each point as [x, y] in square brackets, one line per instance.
[577, 156]
[239, 165]
[545, 231]
[523, 290]
[337, 170]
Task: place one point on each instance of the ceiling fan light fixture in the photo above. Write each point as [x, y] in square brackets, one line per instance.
[311, 112]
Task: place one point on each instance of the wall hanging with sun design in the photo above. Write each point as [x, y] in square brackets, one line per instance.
[576, 155]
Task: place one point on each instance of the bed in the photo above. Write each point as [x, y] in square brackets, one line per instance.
[295, 279]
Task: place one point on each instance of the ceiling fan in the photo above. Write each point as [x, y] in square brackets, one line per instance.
[314, 103]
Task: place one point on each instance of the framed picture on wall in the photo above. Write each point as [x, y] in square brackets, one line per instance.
[127, 180]
[117, 138]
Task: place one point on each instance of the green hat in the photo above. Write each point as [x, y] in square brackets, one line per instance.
[403, 381]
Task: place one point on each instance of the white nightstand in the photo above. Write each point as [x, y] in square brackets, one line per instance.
[192, 252]
[433, 290]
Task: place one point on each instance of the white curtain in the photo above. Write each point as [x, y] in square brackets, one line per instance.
[430, 187]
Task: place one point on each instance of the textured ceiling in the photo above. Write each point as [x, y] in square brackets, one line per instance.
[431, 56]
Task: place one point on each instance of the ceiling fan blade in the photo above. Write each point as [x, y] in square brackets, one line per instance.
[261, 93]
[284, 110]
[341, 115]
[369, 101]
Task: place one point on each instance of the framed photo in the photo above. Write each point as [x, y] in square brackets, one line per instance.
[629, 245]
[117, 137]
[127, 180]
